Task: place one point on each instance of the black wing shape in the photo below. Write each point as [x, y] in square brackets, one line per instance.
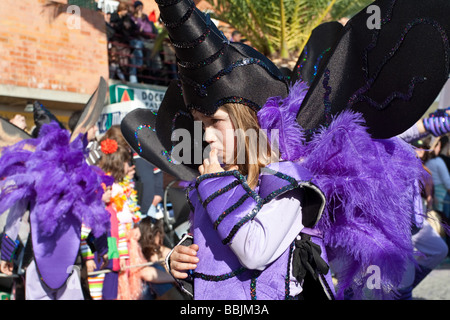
[42, 116]
[10, 134]
[316, 51]
[390, 75]
[92, 109]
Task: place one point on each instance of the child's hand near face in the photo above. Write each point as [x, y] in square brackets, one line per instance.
[212, 164]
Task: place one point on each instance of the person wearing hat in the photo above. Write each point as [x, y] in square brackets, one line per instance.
[271, 220]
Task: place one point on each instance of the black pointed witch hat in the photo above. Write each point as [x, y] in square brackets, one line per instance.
[212, 71]
[42, 116]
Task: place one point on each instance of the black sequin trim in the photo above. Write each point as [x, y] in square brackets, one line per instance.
[222, 277]
[167, 3]
[205, 62]
[177, 24]
[220, 192]
[211, 110]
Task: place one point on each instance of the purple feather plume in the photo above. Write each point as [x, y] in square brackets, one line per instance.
[55, 179]
[370, 187]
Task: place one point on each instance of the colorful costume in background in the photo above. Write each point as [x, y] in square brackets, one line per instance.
[49, 176]
[352, 92]
[124, 213]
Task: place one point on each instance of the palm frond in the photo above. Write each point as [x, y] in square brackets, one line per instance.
[281, 27]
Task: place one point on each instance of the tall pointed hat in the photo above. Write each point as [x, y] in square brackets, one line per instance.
[42, 116]
[212, 70]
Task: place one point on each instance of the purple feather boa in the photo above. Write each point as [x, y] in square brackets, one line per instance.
[51, 173]
[369, 186]
[280, 114]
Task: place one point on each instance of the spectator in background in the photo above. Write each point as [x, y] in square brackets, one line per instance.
[115, 69]
[150, 238]
[236, 36]
[148, 32]
[170, 60]
[439, 173]
[126, 33]
[19, 121]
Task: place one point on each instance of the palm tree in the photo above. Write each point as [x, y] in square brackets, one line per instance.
[280, 28]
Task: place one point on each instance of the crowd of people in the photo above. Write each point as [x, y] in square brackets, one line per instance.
[134, 55]
[130, 266]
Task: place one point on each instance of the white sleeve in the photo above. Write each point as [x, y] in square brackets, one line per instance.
[263, 239]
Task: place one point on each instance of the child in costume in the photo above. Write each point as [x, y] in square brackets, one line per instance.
[153, 250]
[122, 207]
[338, 194]
[142, 277]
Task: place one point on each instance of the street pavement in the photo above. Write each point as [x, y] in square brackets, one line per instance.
[436, 286]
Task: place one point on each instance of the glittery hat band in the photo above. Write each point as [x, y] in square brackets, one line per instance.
[239, 100]
[180, 22]
[200, 89]
[195, 42]
[167, 3]
[205, 62]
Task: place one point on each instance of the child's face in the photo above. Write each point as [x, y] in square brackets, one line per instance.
[219, 133]
[19, 121]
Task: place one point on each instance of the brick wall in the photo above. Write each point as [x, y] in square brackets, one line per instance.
[41, 46]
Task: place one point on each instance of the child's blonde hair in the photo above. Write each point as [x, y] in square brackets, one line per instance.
[244, 119]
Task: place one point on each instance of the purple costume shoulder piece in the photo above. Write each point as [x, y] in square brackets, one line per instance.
[50, 174]
[222, 204]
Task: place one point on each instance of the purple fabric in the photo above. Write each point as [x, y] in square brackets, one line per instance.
[218, 206]
[9, 247]
[56, 255]
[35, 289]
[217, 259]
[110, 286]
[294, 170]
[144, 24]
